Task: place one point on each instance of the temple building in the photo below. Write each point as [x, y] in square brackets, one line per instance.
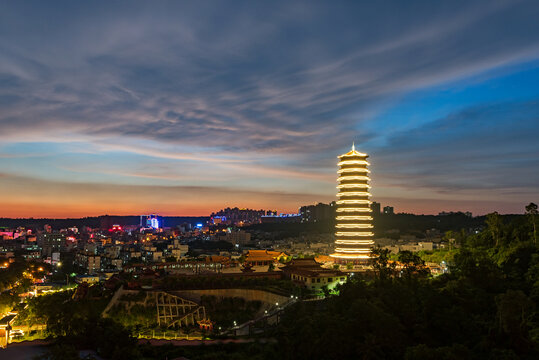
[353, 237]
[311, 275]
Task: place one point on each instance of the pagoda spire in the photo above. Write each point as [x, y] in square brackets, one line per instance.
[353, 146]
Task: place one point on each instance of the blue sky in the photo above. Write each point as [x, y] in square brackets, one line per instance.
[185, 107]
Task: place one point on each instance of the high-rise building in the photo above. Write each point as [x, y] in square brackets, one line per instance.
[353, 238]
[151, 221]
[239, 217]
[375, 207]
[51, 243]
[318, 212]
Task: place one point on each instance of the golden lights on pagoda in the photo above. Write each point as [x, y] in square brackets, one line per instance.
[354, 222]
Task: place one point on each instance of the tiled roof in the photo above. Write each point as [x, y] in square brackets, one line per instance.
[309, 268]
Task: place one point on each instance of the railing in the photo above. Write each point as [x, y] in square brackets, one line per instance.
[168, 335]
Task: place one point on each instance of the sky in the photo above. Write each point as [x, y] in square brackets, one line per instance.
[187, 107]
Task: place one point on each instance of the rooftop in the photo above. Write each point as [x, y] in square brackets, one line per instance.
[309, 268]
[7, 320]
[261, 255]
[353, 152]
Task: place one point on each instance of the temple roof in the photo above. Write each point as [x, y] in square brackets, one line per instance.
[353, 152]
[263, 255]
[309, 268]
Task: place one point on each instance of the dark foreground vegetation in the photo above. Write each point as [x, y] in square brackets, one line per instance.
[486, 308]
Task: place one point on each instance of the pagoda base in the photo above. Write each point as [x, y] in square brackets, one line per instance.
[354, 261]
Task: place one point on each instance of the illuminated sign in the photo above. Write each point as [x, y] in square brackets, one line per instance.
[115, 228]
[150, 221]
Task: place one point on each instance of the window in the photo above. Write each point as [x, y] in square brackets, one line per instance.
[330, 279]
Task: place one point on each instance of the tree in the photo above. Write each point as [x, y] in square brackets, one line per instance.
[515, 311]
[412, 265]
[531, 211]
[383, 268]
[449, 235]
[326, 291]
[7, 301]
[494, 223]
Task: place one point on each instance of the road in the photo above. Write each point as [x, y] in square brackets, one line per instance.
[24, 351]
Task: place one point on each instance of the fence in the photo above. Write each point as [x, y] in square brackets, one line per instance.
[169, 335]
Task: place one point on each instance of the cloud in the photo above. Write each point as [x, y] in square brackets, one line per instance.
[268, 90]
[490, 148]
[165, 77]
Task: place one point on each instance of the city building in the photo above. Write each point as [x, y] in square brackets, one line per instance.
[51, 243]
[116, 264]
[89, 262]
[151, 221]
[375, 207]
[281, 218]
[216, 220]
[177, 250]
[353, 237]
[240, 217]
[413, 247]
[151, 254]
[89, 279]
[235, 237]
[318, 212]
[388, 210]
[131, 255]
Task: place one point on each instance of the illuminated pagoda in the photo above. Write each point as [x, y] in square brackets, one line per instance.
[353, 237]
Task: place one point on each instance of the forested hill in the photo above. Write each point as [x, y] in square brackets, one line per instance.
[404, 223]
